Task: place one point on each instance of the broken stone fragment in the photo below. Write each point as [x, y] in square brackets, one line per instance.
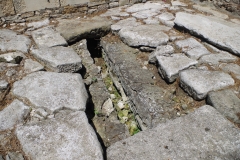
[32, 66]
[197, 83]
[163, 50]
[13, 114]
[58, 59]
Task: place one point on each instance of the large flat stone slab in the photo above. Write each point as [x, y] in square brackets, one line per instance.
[170, 66]
[13, 114]
[145, 6]
[209, 10]
[58, 59]
[227, 103]
[192, 48]
[145, 14]
[52, 91]
[203, 134]
[95, 27]
[128, 22]
[144, 35]
[66, 136]
[48, 37]
[11, 41]
[197, 83]
[221, 33]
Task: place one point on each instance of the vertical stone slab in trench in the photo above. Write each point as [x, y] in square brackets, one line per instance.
[22, 6]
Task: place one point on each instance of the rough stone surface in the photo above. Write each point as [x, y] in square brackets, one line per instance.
[6, 8]
[48, 37]
[211, 11]
[220, 36]
[192, 48]
[227, 103]
[14, 156]
[203, 134]
[170, 66]
[145, 6]
[231, 68]
[163, 50]
[60, 138]
[13, 114]
[95, 27]
[115, 12]
[52, 91]
[72, 2]
[143, 36]
[3, 84]
[215, 59]
[22, 6]
[11, 41]
[129, 22]
[38, 24]
[32, 66]
[58, 59]
[197, 83]
[138, 84]
[151, 21]
[166, 18]
[99, 95]
[13, 57]
[145, 14]
[178, 3]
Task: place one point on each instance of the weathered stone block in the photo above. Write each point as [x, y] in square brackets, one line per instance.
[22, 6]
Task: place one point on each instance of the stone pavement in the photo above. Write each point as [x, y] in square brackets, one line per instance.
[78, 88]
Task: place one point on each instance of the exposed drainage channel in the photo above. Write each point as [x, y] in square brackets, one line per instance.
[109, 109]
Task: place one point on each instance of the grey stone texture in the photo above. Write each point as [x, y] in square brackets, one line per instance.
[48, 37]
[13, 114]
[22, 6]
[220, 36]
[166, 18]
[32, 66]
[163, 50]
[66, 136]
[3, 85]
[128, 22]
[145, 14]
[231, 68]
[170, 66]
[215, 59]
[95, 27]
[209, 10]
[38, 24]
[138, 84]
[14, 156]
[12, 57]
[11, 41]
[192, 48]
[52, 91]
[227, 103]
[203, 134]
[143, 36]
[145, 6]
[58, 59]
[73, 2]
[197, 83]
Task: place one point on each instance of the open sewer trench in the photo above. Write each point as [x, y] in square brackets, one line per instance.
[108, 109]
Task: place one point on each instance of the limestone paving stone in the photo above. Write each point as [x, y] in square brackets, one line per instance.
[38, 24]
[192, 48]
[211, 11]
[128, 22]
[231, 68]
[170, 66]
[197, 83]
[66, 136]
[222, 34]
[215, 59]
[52, 91]
[203, 134]
[95, 27]
[145, 14]
[143, 36]
[227, 103]
[166, 18]
[151, 20]
[11, 41]
[145, 6]
[58, 59]
[32, 66]
[115, 12]
[163, 50]
[13, 114]
[178, 3]
[48, 37]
